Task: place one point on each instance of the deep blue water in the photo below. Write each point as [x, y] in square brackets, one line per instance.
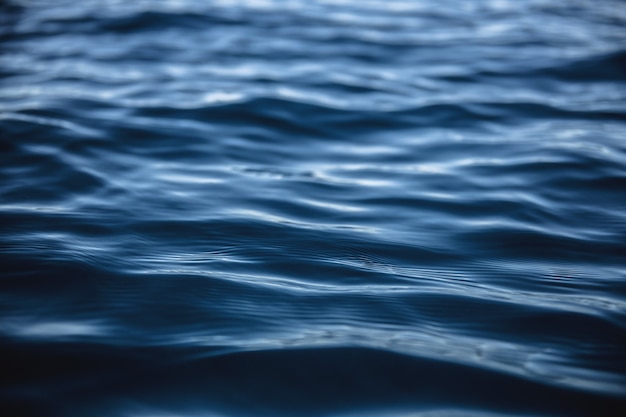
[312, 208]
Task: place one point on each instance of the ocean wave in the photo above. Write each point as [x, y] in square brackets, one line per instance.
[324, 208]
[284, 382]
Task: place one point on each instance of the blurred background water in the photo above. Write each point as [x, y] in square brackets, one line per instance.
[312, 208]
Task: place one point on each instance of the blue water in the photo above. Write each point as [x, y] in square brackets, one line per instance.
[312, 208]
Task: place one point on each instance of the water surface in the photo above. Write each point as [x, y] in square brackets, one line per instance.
[312, 208]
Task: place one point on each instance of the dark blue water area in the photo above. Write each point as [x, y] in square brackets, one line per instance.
[312, 208]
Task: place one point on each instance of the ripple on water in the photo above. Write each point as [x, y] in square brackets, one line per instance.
[312, 208]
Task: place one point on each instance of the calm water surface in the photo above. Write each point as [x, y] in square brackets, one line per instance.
[312, 208]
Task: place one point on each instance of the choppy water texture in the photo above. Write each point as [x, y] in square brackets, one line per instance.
[312, 208]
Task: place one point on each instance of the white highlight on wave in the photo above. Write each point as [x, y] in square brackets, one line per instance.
[18, 327]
